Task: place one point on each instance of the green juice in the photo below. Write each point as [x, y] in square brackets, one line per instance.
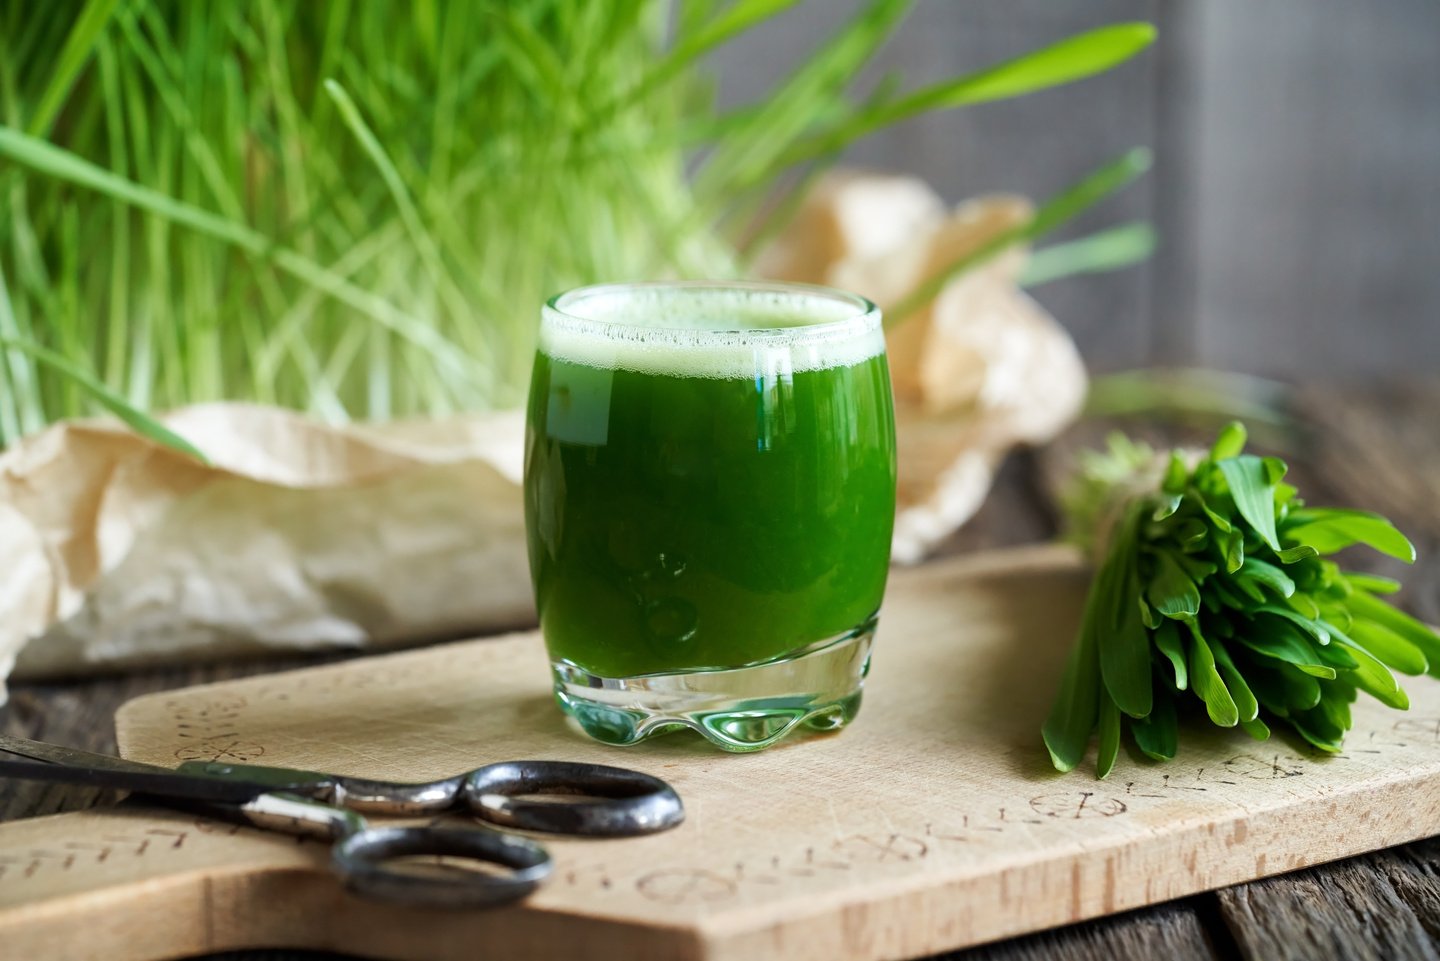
[707, 509]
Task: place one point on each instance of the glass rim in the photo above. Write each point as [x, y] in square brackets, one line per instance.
[865, 317]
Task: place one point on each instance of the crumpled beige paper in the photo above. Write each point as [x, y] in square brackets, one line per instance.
[979, 370]
[300, 536]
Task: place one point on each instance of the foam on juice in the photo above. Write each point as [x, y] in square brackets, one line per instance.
[717, 332]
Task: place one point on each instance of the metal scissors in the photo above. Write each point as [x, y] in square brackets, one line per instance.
[371, 861]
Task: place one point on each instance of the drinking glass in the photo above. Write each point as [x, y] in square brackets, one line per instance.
[709, 497]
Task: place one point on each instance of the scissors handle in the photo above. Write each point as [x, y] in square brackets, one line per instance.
[619, 802]
[378, 863]
[388, 797]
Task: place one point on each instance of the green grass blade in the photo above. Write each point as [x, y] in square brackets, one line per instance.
[55, 162]
[23, 406]
[142, 423]
[1071, 59]
[1064, 206]
[74, 56]
[734, 20]
[1102, 252]
[756, 138]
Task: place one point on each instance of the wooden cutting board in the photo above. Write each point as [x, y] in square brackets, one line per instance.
[933, 822]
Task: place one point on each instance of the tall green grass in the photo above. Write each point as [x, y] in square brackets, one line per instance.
[354, 207]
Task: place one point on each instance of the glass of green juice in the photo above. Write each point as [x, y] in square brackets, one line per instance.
[709, 497]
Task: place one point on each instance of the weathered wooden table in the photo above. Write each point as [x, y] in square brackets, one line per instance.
[1372, 447]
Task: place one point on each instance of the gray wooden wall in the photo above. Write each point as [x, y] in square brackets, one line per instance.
[1297, 178]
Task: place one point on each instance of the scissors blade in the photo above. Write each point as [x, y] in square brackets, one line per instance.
[158, 782]
[72, 757]
[68, 765]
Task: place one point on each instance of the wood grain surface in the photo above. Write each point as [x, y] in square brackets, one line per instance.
[1373, 447]
[933, 823]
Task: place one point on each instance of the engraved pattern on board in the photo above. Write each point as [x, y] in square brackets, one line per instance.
[920, 811]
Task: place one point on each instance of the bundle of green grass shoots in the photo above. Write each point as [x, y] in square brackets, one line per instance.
[1214, 594]
[355, 208]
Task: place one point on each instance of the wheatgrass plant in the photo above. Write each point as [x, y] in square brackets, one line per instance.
[353, 207]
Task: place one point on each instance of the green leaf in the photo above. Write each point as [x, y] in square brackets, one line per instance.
[1206, 682]
[1300, 552]
[1331, 530]
[1304, 605]
[1312, 627]
[1362, 605]
[1240, 692]
[1335, 706]
[1124, 644]
[142, 423]
[1169, 504]
[1269, 575]
[1177, 475]
[1168, 643]
[1254, 494]
[1109, 737]
[1336, 656]
[1315, 727]
[1148, 617]
[1389, 647]
[1236, 599]
[1157, 735]
[1170, 591]
[1076, 709]
[1107, 250]
[1249, 588]
[1284, 643]
[1275, 471]
[1375, 679]
[1057, 210]
[1283, 688]
[1373, 583]
[1230, 442]
[1217, 519]
[1196, 567]
[1191, 534]
[1234, 551]
[1256, 728]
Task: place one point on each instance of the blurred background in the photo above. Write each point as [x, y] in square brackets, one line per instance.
[1296, 187]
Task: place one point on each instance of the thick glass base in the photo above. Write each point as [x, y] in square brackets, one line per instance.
[737, 709]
